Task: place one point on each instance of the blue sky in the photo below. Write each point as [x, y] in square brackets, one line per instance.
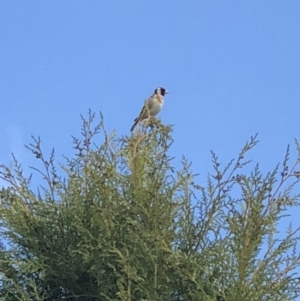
[232, 69]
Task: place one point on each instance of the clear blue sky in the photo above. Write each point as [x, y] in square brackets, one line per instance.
[232, 69]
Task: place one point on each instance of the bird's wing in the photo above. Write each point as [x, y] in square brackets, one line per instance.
[145, 110]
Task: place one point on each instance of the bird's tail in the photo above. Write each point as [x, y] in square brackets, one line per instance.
[136, 121]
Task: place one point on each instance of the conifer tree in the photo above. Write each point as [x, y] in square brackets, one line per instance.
[120, 222]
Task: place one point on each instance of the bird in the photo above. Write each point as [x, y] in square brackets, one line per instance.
[152, 106]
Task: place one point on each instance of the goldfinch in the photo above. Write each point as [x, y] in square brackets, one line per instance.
[152, 106]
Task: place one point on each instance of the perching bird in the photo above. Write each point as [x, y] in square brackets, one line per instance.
[152, 106]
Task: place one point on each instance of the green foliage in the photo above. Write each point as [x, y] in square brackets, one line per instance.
[120, 222]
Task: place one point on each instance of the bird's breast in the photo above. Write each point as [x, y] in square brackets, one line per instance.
[156, 106]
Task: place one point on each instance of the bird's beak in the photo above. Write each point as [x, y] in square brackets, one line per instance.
[167, 92]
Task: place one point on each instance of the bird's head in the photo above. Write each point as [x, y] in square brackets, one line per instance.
[161, 91]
